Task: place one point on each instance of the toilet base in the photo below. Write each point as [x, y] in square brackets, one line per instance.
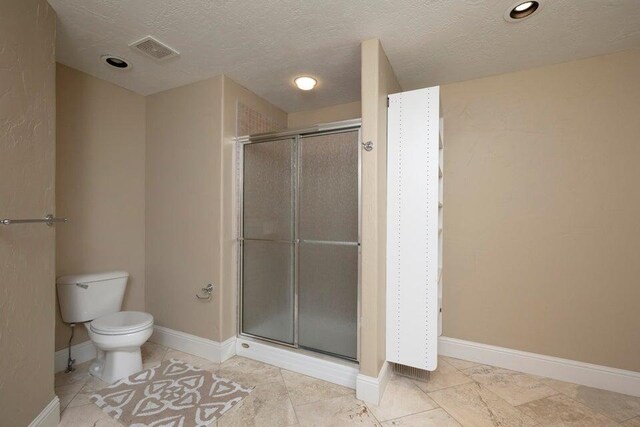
[118, 356]
[113, 365]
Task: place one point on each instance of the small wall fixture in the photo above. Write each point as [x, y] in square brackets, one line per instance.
[115, 62]
[305, 82]
[521, 10]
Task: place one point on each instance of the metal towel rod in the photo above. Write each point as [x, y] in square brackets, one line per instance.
[49, 220]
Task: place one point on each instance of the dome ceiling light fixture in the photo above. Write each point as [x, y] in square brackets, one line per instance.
[521, 10]
[305, 82]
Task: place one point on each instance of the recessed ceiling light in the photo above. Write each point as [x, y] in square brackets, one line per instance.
[521, 10]
[115, 62]
[305, 82]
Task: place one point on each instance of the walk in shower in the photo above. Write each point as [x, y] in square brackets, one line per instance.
[300, 238]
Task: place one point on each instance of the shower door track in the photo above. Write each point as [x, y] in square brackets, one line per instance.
[321, 129]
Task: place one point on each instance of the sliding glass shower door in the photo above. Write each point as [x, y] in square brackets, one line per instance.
[268, 240]
[300, 241]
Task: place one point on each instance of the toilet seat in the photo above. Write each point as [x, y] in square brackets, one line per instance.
[122, 322]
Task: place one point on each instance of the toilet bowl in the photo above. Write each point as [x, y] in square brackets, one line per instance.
[118, 338]
[95, 300]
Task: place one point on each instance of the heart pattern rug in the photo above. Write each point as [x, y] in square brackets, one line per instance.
[173, 394]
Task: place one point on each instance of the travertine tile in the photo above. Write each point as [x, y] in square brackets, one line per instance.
[473, 405]
[198, 362]
[341, 411]
[267, 405]
[303, 389]
[249, 372]
[89, 388]
[633, 422]
[87, 415]
[514, 387]
[433, 418]
[401, 397]
[281, 395]
[444, 376]
[66, 393]
[619, 407]
[152, 352]
[459, 363]
[79, 375]
[561, 411]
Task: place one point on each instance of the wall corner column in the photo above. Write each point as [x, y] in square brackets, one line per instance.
[378, 81]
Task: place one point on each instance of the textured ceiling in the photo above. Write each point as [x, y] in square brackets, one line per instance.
[264, 44]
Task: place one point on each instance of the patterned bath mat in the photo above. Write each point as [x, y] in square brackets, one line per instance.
[173, 394]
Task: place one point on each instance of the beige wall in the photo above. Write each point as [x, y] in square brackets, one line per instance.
[334, 113]
[190, 237]
[99, 184]
[183, 214]
[233, 93]
[378, 81]
[542, 210]
[27, 190]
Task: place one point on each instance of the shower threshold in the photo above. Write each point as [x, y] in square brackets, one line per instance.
[318, 365]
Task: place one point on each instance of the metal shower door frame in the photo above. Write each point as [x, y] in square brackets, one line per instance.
[296, 136]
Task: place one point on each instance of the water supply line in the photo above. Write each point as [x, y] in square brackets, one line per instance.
[70, 361]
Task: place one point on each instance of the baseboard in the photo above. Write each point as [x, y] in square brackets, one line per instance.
[192, 344]
[82, 352]
[227, 349]
[371, 389]
[618, 380]
[49, 416]
[324, 368]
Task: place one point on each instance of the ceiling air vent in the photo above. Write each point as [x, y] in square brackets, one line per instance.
[153, 48]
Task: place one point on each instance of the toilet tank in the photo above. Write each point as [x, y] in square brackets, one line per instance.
[85, 297]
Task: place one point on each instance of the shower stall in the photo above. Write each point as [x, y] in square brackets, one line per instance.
[299, 235]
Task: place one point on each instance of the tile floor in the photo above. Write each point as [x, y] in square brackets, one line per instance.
[459, 393]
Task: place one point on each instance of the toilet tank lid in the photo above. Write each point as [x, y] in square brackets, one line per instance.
[90, 278]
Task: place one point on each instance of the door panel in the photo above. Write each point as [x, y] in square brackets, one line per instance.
[267, 291]
[329, 187]
[328, 298]
[268, 193]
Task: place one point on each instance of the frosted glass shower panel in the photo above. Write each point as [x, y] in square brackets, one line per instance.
[329, 187]
[268, 192]
[267, 292]
[328, 300]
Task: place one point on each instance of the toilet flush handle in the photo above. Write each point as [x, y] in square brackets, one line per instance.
[82, 285]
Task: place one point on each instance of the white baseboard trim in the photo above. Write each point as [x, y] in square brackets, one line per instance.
[227, 349]
[50, 415]
[328, 369]
[371, 389]
[192, 344]
[82, 352]
[618, 380]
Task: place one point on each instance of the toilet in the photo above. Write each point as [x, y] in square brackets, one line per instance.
[96, 300]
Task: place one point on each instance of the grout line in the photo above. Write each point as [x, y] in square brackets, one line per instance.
[418, 413]
[295, 413]
[451, 386]
[366, 405]
[350, 393]
[540, 398]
